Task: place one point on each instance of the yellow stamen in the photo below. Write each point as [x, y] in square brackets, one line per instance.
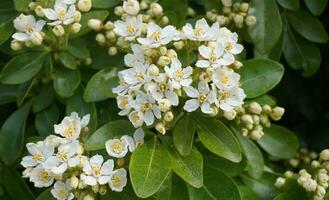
[116, 180]
[202, 98]
[156, 36]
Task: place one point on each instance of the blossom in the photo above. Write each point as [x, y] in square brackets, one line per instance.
[39, 153]
[41, 177]
[147, 105]
[27, 28]
[118, 180]
[157, 36]
[136, 76]
[131, 7]
[136, 118]
[71, 126]
[136, 58]
[178, 76]
[231, 98]
[130, 28]
[229, 41]
[202, 97]
[97, 171]
[117, 148]
[213, 57]
[225, 78]
[61, 14]
[62, 191]
[202, 31]
[124, 102]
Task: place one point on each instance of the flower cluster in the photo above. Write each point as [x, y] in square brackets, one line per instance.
[64, 16]
[60, 158]
[238, 14]
[253, 117]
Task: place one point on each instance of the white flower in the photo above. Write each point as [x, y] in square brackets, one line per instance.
[136, 118]
[162, 88]
[157, 36]
[202, 31]
[118, 180]
[27, 172]
[39, 153]
[231, 98]
[61, 14]
[136, 76]
[55, 141]
[41, 177]
[124, 103]
[147, 105]
[71, 126]
[62, 191]
[95, 171]
[65, 157]
[228, 41]
[225, 78]
[202, 97]
[213, 57]
[27, 27]
[179, 77]
[117, 148]
[131, 7]
[130, 28]
[136, 58]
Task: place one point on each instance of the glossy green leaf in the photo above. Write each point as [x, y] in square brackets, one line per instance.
[216, 137]
[99, 86]
[183, 135]
[174, 188]
[258, 76]
[262, 100]
[22, 68]
[149, 167]
[66, 82]
[216, 186]
[108, 131]
[316, 6]
[6, 26]
[279, 142]
[227, 167]
[45, 120]
[78, 49]
[289, 4]
[248, 194]
[46, 3]
[105, 4]
[274, 54]
[189, 168]
[12, 134]
[22, 5]
[44, 99]
[68, 60]
[96, 14]
[179, 8]
[266, 32]
[9, 93]
[291, 196]
[46, 195]
[308, 26]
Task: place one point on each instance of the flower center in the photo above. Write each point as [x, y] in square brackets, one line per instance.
[44, 176]
[61, 14]
[224, 95]
[162, 87]
[140, 75]
[146, 106]
[156, 36]
[198, 31]
[229, 46]
[179, 74]
[117, 147]
[124, 103]
[224, 79]
[116, 180]
[135, 117]
[96, 170]
[62, 155]
[131, 29]
[202, 98]
[62, 193]
[69, 132]
[37, 157]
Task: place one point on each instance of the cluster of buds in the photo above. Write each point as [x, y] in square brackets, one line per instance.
[63, 18]
[253, 117]
[237, 14]
[303, 157]
[134, 17]
[60, 160]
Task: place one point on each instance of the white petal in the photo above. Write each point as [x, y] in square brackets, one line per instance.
[50, 14]
[202, 63]
[191, 92]
[205, 108]
[96, 160]
[172, 97]
[149, 118]
[107, 167]
[191, 105]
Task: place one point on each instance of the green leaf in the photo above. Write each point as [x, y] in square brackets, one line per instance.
[97, 14]
[68, 60]
[174, 188]
[44, 99]
[279, 142]
[46, 195]
[188, 168]
[316, 7]
[227, 167]
[22, 68]
[149, 167]
[300, 53]
[105, 4]
[6, 26]
[262, 100]
[255, 160]
[183, 135]
[77, 104]
[308, 26]
[12, 134]
[216, 137]
[9, 93]
[100, 85]
[274, 54]
[45, 120]
[108, 131]
[216, 186]
[289, 4]
[266, 32]
[100, 59]
[22, 5]
[248, 194]
[291, 196]
[177, 7]
[78, 49]
[14, 185]
[46, 3]
[66, 82]
[258, 76]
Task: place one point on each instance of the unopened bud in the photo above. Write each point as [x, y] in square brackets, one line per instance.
[95, 188]
[156, 9]
[294, 162]
[227, 10]
[164, 61]
[118, 11]
[121, 162]
[266, 109]
[277, 113]
[39, 11]
[324, 155]
[100, 38]
[143, 5]
[238, 20]
[250, 20]
[310, 185]
[164, 20]
[32, 5]
[153, 70]
[75, 28]
[230, 115]
[227, 3]
[88, 197]
[256, 134]
[164, 105]
[254, 107]
[247, 119]
[169, 116]
[179, 45]
[113, 51]
[15, 45]
[171, 54]
[84, 5]
[160, 128]
[59, 30]
[244, 132]
[77, 16]
[288, 174]
[95, 24]
[190, 11]
[244, 7]
[102, 190]
[131, 7]
[315, 164]
[74, 182]
[221, 19]
[279, 183]
[81, 149]
[109, 26]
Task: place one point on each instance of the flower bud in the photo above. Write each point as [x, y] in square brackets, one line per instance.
[100, 38]
[244, 7]
[15, 45]
[238, 20]
[315, 164]
[113, 51]
[236, 65]
[230, 115]
[36, 38]
[294, 162]
[74, 182]
[227, 10]
[88, 197]
[75, 28]
[190, 12]
[110, 35]
[169, 116]
[160, 128]
[27, 172]
[310, 185]
[256, 119]
[131, 7]
[109, 26]
[324, 155]
[39, 11]
[277, 113]
[279, 183]
[59, 30]
[211, 16]
[221, 19]
[164, 105]
[288, 174]
[171, 54]
[250, 20]
[32, 5]
[77, 16]
[143, 5]
[118, 11]
[227, 3]
[164, 61]
[254, 107]
[256, 134]
[156, 9]
[266, 109]
[102, 190]
[247, 119]
[120, 162]
[84, 5]
[179, 45]
[164, 20]
[320, 191]
[80, 150]
[95, 188]
[153, 70]
[95, 24]
[244, 132]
